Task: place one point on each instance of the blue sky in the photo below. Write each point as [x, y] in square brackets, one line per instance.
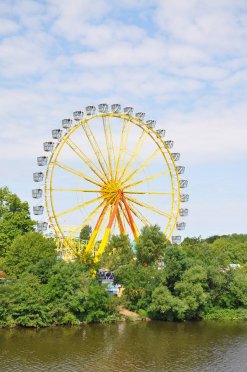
[181, 62]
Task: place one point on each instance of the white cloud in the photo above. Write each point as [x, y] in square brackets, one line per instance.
[183, 62]
[8, 26]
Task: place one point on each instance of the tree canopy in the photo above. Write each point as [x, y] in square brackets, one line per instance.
[14, 218]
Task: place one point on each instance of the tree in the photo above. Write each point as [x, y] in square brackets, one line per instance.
[31, 253]
[86, 232]
[176, 262]
[192, 291]
[150, 245]
[14, 218]
[165, 306]
[118, 252]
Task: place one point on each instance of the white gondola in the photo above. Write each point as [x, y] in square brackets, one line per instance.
[78, 115]
[67, 123]
[140, 115]
[176, 239]
[57, 133]
[38, 210]
[183, 212]
[38, 176]
[176, 156]
[129, 110]
[161, 132]
[184, 198]
[42, 226]
[48, 146]
[180, 169]
[169, 144]
[116, 108]
[42, 160]
[151, 123]
[183, 184]
[103, 108]
[180, 225]
[90, 110]
[37, 193]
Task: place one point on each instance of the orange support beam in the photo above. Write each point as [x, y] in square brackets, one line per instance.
[131, 220]
[120, 223]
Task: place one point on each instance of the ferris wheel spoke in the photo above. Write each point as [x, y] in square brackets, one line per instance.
[123, 145]
[95, 232]
[88, 219]
[130, 217]
[85, 159]
[120, 223]
[70, 210]
[75, 190]
[77, 173]
[156, 175]
[142, 166]
[125, 217]
[106, 235]
[134, 154]
[96, 149]
[139, 215]
[149, 206]
[149, 192]
[109, 145]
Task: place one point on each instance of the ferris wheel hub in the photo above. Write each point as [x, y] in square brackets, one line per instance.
[110, 191]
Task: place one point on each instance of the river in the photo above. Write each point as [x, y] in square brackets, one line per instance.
[140, 346]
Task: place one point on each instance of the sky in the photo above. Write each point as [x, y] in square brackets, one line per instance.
[181, 62]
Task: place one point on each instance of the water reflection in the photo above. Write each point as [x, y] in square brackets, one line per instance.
[144, 346]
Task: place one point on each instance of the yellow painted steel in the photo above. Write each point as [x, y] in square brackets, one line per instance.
[123, 145]
[134, 154]
[94, 234]
[148, 206]
[76, 190]
[148, 192]
[103, 244]
[156, 175]
[143, 165]
[139, 215]
[80, 206]
[85, 159]
[94, 144]
[109, 146]
[111, 175]
[77, 173]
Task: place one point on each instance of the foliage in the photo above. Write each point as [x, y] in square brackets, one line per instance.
[150, 245]
[42, 290]
[197, 277]
[193, 280]
[118, 252]
[30, 253]
[86, 232]
[14, 218]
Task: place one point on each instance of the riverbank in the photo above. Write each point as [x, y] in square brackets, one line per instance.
[125, 315]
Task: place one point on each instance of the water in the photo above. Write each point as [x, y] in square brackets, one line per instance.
[140, 346]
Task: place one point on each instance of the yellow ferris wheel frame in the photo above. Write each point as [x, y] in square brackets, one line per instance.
[112, 186]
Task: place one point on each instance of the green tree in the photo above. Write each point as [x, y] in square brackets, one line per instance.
[14, 218]
[150, 245]
[86, 232]
[176, 262]
[31, 253]
[27, 305]
[139, 282]
[118, 252]
[165, 306]
[192, 291]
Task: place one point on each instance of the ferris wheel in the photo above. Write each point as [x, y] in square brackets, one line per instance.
[111, 170]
